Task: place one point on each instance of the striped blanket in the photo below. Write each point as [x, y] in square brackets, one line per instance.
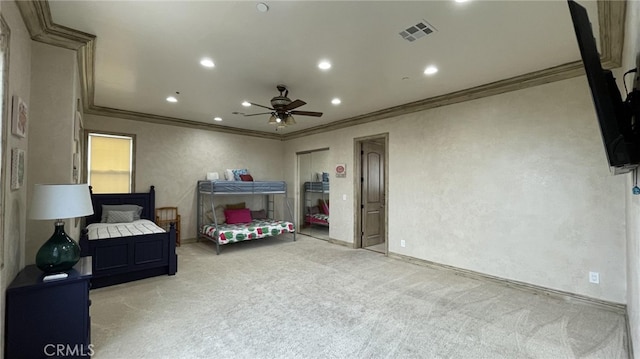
[113, 230]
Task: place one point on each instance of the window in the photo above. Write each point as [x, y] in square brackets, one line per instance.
[110, 162]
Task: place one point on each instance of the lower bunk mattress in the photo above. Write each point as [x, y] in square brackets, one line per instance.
[231, 233]
[318, 218]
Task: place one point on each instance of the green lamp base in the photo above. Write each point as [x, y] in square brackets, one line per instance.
[59, 254]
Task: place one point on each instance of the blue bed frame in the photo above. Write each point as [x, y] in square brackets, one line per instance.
[125, 259]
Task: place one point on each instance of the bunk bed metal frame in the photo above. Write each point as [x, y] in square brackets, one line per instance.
[231, 188]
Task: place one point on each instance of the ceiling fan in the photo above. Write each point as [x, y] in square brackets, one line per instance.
[283, 109]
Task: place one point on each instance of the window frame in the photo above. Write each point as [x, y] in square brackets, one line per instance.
[88, 132]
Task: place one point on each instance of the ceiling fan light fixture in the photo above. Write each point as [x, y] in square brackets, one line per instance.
[273, 120]
[289, 120]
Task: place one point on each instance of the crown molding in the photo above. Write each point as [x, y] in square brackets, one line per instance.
[165, 120]
[611, 19]
[37, 17]
[536, 78]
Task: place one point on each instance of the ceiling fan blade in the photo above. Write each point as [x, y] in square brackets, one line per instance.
[268, 108]
[294, 104]
[256, 114]
[306, 113]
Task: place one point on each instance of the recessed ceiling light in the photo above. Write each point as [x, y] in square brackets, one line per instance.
[218, 119]
[172, 99]
[324, 65]
[336, 101]
[246, 104]
[207, 62]
[461, 1]
[430, 70]
[262, 7]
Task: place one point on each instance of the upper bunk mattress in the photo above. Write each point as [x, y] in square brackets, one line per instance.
[232, 187]
[316, 186]
[116, 230]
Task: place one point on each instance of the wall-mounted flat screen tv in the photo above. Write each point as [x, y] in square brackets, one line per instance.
[619, 132]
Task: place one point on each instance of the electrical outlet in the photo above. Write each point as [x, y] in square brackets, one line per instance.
[594, 277]
[403, 243]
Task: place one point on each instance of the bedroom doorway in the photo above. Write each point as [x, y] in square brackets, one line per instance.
[313, 187]
[372, 188]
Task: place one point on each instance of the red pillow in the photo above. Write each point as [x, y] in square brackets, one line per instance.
[237, 215]
[246, 178]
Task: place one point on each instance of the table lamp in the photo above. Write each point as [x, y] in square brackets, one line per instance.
[59, 201]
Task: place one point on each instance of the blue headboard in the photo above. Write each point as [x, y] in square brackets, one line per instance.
[146, 200]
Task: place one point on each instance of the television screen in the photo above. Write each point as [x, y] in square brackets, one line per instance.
[618, 134]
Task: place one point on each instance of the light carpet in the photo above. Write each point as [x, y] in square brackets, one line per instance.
[275, 298]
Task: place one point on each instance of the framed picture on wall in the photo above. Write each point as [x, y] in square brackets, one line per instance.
[17, 168]
[19, 117]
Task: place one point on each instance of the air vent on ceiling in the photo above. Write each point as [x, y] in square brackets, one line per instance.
[417, 31]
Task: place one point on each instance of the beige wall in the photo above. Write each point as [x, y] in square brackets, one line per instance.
[14, 201]
[174, 158]
[515, 185]
[54, 92]
[631, 53]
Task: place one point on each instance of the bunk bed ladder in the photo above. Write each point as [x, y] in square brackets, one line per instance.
[215, 219]
[286, 201]
[271, 206]
[201, 210]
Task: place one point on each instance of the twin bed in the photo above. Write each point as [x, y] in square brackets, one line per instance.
[255, 225]
[130, 246]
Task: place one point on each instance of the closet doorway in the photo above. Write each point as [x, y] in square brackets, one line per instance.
[372, 189]
[314, 189]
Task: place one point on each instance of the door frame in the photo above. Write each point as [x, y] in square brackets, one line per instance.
[298, 195]
[357, 190]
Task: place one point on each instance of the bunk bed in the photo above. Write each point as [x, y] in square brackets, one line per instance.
[211, 227]
[316, 214]
[123, 252]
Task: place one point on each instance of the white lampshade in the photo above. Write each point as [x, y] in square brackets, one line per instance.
[59, 201]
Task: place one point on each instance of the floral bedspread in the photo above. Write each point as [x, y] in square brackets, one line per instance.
[231, 233]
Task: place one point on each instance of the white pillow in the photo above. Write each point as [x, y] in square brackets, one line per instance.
[228, 175]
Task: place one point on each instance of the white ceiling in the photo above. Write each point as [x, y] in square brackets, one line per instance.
[148, 50]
